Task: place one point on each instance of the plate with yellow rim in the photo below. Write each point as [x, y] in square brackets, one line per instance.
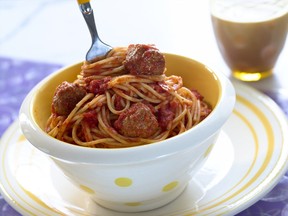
[249, 158]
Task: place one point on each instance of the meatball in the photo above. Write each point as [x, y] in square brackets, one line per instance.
[137, 121]
[144, 60]
[66, 96]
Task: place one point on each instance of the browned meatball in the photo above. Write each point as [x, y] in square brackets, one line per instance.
[137, 121]
[66, 96]
[144, 59]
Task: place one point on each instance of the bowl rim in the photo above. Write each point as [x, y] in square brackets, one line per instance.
[60, 150]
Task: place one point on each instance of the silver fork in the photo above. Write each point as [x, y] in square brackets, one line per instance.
[98, 49]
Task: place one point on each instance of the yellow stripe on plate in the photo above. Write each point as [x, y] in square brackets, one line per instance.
[269, 152]
[256, 143]
[10, 139]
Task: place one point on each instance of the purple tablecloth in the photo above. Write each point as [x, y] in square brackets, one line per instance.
[17, 77]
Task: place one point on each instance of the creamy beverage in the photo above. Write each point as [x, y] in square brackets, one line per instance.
[250, 42]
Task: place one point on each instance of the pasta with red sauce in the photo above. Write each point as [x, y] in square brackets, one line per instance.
[124, 100]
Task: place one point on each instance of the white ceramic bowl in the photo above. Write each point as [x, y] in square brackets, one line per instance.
[136, 178]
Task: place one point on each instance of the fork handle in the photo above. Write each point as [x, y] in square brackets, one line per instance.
[82, 1]
[88, 15]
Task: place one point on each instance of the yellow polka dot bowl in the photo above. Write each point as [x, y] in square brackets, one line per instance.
[136, 178]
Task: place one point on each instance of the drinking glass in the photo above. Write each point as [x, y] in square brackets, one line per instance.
[250, 35]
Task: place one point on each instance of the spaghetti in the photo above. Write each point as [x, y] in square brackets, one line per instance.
[124, 100]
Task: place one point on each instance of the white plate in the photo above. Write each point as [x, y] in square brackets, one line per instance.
[248, 160]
